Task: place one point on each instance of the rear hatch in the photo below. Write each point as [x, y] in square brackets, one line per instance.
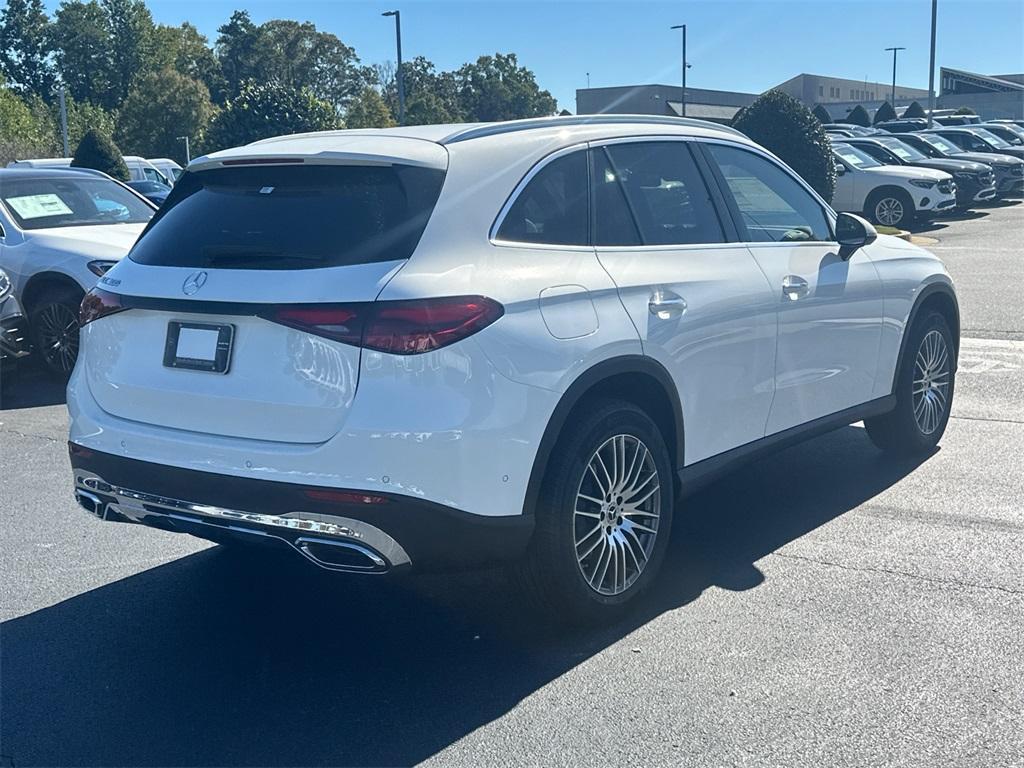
[218, 298]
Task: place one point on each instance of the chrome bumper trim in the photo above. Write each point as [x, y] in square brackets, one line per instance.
[298, 529]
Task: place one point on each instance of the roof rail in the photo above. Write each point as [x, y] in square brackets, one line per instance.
[511, 126]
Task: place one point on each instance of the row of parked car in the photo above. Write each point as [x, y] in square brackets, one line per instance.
[901, 170]
[150, 177]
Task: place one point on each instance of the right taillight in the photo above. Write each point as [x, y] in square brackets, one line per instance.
[398, 327]
[98, 303]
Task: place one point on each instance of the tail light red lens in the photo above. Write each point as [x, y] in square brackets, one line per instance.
[396, 327]
[98, 303]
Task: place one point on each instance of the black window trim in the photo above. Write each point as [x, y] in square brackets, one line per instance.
[730, 235]
[734, 213]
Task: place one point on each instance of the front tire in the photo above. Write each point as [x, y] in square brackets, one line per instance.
[890, 208]
[604, 515]
[54, 325]
[924, 390]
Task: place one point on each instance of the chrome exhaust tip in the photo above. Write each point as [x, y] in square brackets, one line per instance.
[91, 503]
[341, 555]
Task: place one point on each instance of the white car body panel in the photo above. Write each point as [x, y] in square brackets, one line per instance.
[855, 186]
[461, 426]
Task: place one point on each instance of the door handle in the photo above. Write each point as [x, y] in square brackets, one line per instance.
[665, 305]
[794, 287]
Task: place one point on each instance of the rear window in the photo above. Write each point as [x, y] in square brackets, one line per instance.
[291, 217]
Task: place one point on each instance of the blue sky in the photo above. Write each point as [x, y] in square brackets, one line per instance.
[747, 45]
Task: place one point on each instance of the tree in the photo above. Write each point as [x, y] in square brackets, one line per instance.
[497, 88]
[80, 47]
[821, 113]
[238, 50]
[858, 116]
[132, 46]
[24, 48]
[24, 132]
[431, 97]
[160, 107]
[914, 110]
[368, 110]
[786, 127]
[964, 111]
[83, 117]
[264, 110]
[98, 151]
[885, 112]
[193, 57]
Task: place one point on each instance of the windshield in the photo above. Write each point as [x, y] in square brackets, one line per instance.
[45, 202]
[855, 157]
[991, 138]
[291, 217]
[1007, 134]
[941, 144]
[901, 150]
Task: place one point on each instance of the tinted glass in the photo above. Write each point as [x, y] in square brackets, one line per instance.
[291, 217]
[40, 203]
[903, 151]
[613, 221]
[553, 207]
[666, 193]
[774, 207]
[942, 144]
[876, 152]
[991, 138]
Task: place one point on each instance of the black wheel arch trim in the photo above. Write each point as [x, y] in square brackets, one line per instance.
[585, 384]
[925, 293]
[41, 282]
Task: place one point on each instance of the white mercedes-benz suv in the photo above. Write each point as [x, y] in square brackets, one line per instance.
[466, 345]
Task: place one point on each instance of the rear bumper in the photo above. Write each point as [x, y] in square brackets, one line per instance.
[335, 529]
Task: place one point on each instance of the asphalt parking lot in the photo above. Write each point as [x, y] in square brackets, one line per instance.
[824, 606]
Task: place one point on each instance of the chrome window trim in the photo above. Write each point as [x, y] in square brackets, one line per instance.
[518, 190]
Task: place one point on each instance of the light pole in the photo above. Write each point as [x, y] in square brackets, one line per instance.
[400, 76]
[931, 67]
[894, 50]
[188, 154]
[682, 104]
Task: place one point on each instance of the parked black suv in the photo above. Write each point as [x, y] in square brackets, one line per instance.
[1009, 170]
[904, 125]
[974, 138]
[975, 182]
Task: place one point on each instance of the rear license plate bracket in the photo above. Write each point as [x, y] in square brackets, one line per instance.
[199, 346]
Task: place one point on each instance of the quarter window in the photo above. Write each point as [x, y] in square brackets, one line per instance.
[772, 205]
[553, 207]
[665, 192]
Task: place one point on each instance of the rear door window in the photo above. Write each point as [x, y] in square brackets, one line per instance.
[291, 217]
[553, 207]
[665, 192]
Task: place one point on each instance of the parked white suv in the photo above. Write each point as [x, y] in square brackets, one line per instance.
[470, 344]
[60, 230]
[893, 195]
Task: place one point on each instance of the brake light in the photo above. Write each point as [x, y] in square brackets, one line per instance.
[397, 327]
[98, 303]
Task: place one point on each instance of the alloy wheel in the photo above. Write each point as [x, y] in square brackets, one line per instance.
[57, 328]
[932, 369]
[889, 211]
[615, 522]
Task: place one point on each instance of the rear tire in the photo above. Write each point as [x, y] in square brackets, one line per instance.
[54, 325]
[891, 208]
[603, 517]
[924, 390]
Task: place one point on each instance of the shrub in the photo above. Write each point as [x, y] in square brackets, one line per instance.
[821, 113]
[786, 127]
[915, 110]
[885, 112]
[858, 116]
[97, 150]
[964, 111]
[262, 111]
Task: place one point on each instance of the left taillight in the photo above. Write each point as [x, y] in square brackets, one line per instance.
[98, 303]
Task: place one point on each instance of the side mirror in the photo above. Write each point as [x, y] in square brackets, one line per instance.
[853, 232]
[840, 169]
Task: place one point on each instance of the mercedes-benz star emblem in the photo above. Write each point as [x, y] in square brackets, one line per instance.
[193, 283]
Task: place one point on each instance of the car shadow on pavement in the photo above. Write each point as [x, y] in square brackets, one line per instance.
[29, 386]
[223, 658]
